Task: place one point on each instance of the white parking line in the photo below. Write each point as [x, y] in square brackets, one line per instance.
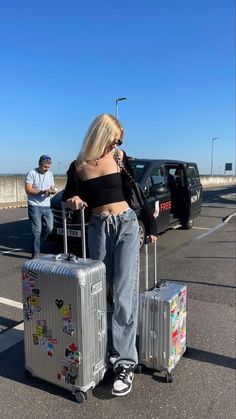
[229, 217]
[9, 251]
[208, 232]
[11, 303]
[201, 228]
[11, 337]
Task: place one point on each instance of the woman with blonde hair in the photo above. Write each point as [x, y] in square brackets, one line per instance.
[96, 180]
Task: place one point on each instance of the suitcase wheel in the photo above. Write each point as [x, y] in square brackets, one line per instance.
[80, 397]
[169, 377]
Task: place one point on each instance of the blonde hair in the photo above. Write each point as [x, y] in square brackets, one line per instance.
[101, 134]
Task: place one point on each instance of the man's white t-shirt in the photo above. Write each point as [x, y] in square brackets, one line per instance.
[41, 182]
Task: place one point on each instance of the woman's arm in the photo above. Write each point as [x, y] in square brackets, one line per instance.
[72, 189]
[146, 214]
[72, 183]
[149, 222]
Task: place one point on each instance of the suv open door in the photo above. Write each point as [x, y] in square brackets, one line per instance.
[173, 191]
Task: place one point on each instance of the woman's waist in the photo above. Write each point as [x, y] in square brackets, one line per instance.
[114, 208]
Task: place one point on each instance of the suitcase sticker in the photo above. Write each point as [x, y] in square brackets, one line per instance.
[178, 316]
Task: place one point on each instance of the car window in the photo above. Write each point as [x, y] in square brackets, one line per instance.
[175, 176]
[157, 176]
[139, 168]
[192, 174]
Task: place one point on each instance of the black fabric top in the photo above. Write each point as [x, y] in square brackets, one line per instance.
[102, 190]
[75, 186]
[106, 189]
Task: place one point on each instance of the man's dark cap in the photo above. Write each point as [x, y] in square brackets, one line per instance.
[45, 157]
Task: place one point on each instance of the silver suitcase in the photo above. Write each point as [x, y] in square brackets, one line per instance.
[162, 323]
[65, 323]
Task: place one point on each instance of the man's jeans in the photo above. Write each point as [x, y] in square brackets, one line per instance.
[114, 239]
[41, 223]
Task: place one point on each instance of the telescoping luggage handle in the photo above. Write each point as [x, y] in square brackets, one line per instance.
[64, 205]
[155, 266]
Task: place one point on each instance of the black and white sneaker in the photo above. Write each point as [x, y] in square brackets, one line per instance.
[123, 380]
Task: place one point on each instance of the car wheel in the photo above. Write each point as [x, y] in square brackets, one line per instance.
[187, 225]
[142, 234]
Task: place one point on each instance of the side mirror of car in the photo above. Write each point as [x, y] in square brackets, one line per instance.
[158, 189]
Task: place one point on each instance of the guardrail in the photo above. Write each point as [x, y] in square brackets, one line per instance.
[12, 190]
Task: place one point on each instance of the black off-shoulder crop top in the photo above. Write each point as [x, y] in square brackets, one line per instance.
[102, 190]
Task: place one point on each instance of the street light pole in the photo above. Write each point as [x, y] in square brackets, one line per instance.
[212, 142]
[118, 99]
[58, 165]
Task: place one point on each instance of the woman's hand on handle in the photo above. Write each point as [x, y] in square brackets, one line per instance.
[151, 239]
[76, 203]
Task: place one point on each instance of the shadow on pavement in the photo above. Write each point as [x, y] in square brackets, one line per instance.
[6, 323]
[197, 355]
[15, 235]
[15, 238]
[12, 369]
[211, 358]
[210, 284]
[219, 196]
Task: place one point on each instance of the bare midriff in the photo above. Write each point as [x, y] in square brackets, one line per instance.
[114, 208]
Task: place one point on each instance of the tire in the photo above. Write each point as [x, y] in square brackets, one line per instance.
[142, 234]
[187, 225]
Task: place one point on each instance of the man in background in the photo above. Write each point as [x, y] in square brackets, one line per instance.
[39, 186]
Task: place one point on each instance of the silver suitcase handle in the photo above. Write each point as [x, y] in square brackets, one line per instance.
[146, 266]
[64, 205]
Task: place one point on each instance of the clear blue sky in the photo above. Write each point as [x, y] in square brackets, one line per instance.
[64, 62]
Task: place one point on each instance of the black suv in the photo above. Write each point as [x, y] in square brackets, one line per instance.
[172, 188]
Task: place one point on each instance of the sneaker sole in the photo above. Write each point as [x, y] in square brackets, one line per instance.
[114, 393]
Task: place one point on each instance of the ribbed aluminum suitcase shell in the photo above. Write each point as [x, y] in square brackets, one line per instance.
[65, 324]
[162, 322]
[162, 334]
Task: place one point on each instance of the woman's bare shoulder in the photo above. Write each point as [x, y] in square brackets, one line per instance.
[79, 164]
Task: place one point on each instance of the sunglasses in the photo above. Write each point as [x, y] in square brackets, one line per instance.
[118, 142]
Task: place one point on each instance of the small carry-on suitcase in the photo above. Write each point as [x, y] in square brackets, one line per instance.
[65, 319]
[162, 323]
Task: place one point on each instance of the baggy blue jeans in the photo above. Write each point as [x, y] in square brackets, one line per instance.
[114, 239]
[41, 223]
